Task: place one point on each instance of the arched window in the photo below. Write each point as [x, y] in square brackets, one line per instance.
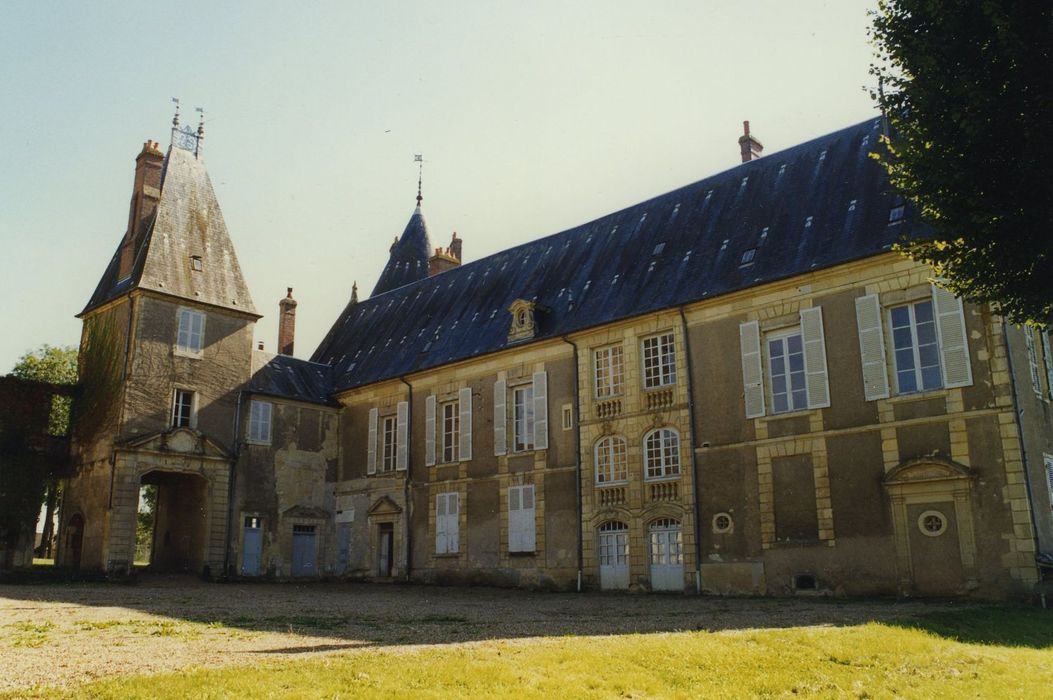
[611, 463]
[661, 454]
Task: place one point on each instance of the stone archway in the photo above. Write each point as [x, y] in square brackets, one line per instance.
[932, 517]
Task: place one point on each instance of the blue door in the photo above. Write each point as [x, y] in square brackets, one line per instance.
[303, 550]
[252, 546]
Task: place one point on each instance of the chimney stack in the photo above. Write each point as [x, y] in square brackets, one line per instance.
[749, 146]
[447, 259]
[146, 193]
[286, 324]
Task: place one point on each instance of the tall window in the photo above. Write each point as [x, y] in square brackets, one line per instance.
[611, 464]
[523, 417]
[183, 409]
[659, 361]
[447, 524]
[614, 544]
[662, 453]
[1032, 360]
[786, 360]
[521, 519]
[450, 431]
[260, 421]
[916, 352]
[608, 371]
[389, 452]
[189, 340]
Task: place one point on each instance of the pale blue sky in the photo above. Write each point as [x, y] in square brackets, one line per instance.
[532, 118]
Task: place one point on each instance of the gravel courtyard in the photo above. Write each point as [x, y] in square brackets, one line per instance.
[68, 634]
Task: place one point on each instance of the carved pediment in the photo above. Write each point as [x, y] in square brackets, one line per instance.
[180, 440]
[306, 512]
[927, 469]
[384, 506]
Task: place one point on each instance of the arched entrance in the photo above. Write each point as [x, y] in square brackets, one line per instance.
[180, 520]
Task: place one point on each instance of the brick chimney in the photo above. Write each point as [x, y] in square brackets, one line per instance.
[286, 324]
[751, 148]
[447, 259]
[146, 193]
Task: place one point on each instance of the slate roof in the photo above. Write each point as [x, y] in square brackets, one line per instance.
[409, 256]
[188, 221]
[816, 205]
[288, 377]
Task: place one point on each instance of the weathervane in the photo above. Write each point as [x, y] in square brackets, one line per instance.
[175, 119]
[418, 158]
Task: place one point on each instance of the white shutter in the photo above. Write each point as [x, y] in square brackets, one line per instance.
[402, 436]
[429, 431]
[872, 347]
[749, 341]
[371, 454]
[464, 406]
[815, 375]
[515, 535]
[453, 527]
[540, 410]
[526, 514]
[1048, 359]
[440, 523]
[954, 343]
[500, 446]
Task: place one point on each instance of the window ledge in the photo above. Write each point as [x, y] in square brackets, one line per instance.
[522, 554]
[917, 396]
[250, 441]
[658, 479]
[623, 482]
[809, 412]
[449, 555]
[189, 355]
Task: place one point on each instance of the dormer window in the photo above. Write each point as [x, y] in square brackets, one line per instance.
[895, 214]
[747, 256]
[195, 263]
[524, 325]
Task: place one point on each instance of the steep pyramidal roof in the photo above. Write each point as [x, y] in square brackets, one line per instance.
[187, 223]
[409, 256]
[816, 205]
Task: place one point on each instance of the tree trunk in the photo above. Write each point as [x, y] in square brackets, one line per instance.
[44, 550]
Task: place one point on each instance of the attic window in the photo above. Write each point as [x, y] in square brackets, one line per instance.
[852, 205]
[744, 181]
[822, 156]
[524, 325]
[808, 222]
[747, 257]
[195, 263]
[782, 169]
[866, 140]
[895, 214]
[724, 245]
[658, 249]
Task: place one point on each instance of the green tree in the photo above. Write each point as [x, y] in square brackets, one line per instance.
[55, 365]
[966, 87]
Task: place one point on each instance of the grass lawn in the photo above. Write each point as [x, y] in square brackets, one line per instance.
[978, 651]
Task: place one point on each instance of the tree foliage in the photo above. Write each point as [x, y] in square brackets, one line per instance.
[56, 365]
[967, 88]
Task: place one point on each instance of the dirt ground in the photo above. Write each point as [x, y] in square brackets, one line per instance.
[68, 634]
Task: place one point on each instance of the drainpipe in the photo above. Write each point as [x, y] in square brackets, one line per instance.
[1017, 410]
[577, 458]
[409, 473]
[694, 459]
[235, 453]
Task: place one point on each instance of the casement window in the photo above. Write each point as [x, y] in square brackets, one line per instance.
[521, 525]
[661, 454]
[184, 414]
[523, 418]
[529, 415]
[447, 523]
[927, 341]
[1047, 359]
[796, 366]
[260, 422]
[659, 361]
[612, 466]
[614, 544]
[389, 448]
[608, 371]
[786, 372]
[190, 339]
[448, 429]
[1032, 361]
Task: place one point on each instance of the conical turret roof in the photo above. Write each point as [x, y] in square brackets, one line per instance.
[409, 256]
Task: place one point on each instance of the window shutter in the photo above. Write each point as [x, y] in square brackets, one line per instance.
[440, 523]
[371, 456]
[954, 347]
[540, 410]
[1032, 359]
[816, 378]
[429, 430]
[500, 391]
[402, 436]
[453, 526]
[183, 337]
[1048, 359]
[464, 407]
[527, 526]
[872, 347]
[749, 340]
[514, 529]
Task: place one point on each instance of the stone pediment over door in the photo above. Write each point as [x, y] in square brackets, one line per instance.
[180, 440]
[384, 506]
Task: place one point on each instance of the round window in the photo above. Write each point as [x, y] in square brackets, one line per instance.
[722, 522]
[521, 318]
[932, 523]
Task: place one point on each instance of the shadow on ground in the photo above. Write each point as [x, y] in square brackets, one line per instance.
[357, 615]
